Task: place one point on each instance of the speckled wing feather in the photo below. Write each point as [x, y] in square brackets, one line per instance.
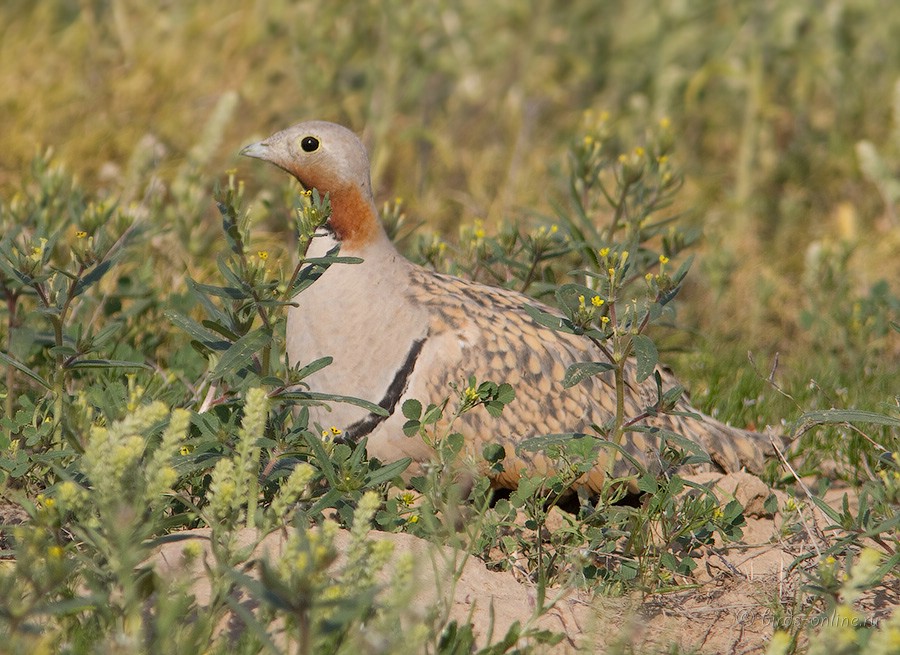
[494, 338]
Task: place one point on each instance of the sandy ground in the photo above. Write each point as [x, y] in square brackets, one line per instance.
[736, 598]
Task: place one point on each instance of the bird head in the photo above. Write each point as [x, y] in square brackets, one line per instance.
[332, 159]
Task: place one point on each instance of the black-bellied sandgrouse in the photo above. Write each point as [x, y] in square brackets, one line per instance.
[398, 331]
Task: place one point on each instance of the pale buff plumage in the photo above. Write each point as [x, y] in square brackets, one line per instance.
[399, 331]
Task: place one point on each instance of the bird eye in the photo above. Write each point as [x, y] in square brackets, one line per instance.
[309, 144]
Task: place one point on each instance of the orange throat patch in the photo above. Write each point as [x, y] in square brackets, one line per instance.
[353, 219]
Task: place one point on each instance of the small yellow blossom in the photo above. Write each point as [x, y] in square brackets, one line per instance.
[663, 259]
[262, 254]
[604, 319]
[624, 256]
[663, 159]
[80, 234]
[398, 200]
[406, 498]
[185, 450]
[413, 519]
[649, 277]
[639, 152]
[307, 193]
[665, 123]
[470, 394]
[55, 552]
[604, 252]
[581, 302]
[37, 252]
[192, 550]
[588, 139]
[554, 229]
[596, 301]
[335, 431]
[779, 644]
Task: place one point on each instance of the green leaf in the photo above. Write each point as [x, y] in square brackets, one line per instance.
[16, 364]
[196, 331]
[549, 320]
[831, 416]
[107, 363]
[412, 409]
[241, 351]
[205, 300]
[314, 366]
[582, 370]
[387, 472]
[827, 509]
[683, 270]
[95, 274]
[646, 354]
[506, 394]
[317, 398]
[70, 606]
[333, 259]
[493, 453]
[433, 414]
[221, 292]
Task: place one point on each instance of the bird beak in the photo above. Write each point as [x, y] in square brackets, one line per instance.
[259, 150]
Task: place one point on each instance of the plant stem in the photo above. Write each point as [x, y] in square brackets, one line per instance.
[9, 403]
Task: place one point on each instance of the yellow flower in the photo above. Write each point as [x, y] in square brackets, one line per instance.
[38, 251]
[588, 139]
[604, 252]
[639, 152]
[55, 552]
[581, 302]
[470, 394]
[80, 234]
[649, 277]
[665, 123]
[663, 259]
[596, 301]
[398, 200]
[604, 319]
[262, 254]
[185, 450]
[624, 256]
[335, 431]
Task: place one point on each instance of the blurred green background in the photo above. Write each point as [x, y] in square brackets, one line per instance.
[786, 116]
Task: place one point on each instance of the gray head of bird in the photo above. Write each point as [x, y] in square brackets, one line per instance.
[332, 159]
